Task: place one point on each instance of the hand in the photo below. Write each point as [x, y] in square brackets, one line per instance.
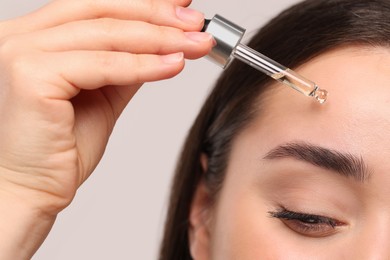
[66, 73]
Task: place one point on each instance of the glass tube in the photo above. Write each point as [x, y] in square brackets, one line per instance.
[279, 72]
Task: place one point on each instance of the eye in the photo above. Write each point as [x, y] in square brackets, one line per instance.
[307, 224]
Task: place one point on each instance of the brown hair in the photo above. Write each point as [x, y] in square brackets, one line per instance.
[292, 38]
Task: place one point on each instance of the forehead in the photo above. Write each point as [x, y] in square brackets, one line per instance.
[356, 117]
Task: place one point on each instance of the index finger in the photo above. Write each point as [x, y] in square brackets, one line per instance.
[166, 13]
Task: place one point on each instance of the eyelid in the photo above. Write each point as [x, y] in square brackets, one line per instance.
[300, 223]
[289, 214]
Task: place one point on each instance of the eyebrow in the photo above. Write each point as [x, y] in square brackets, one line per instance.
[345, 164]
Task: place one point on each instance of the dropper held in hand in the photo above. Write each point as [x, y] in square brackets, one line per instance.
[228, 46]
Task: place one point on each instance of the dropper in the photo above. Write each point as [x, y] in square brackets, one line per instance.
[228, 37]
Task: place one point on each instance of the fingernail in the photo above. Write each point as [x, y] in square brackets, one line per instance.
[172, 58]
[214, 42]
[189, 15]
[198, 36]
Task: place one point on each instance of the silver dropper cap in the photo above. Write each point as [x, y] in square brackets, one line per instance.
[227, 36]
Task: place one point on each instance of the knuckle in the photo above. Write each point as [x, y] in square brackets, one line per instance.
[98, 8]
[166, 35]
[9, 47]
[139, 65]
[162, 33]
[149, 3]
[18, 65]
[154, 9]
[107, 63]
[105, 60]
[106, 25]
[14, 60]
[93, 6]
[20, 68]
[166, 31]
[18, 72]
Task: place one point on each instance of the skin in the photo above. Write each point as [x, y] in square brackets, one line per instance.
[53, 132]
[355, 120]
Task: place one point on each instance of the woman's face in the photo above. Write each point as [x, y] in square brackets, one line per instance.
[309, 181]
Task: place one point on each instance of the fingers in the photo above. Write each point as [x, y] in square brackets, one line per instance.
[165, 13]
[119, 35]
[88, 52]
[106, 68]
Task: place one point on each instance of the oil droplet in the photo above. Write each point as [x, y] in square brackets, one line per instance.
[277, 75]
[321, 95]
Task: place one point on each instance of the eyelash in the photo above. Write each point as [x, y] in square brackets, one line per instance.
[309, 225]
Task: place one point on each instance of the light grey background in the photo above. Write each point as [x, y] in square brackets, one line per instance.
[119, 212]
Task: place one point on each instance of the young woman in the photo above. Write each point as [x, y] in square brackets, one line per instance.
[267, 173]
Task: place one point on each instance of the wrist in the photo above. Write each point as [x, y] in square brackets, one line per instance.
[22, 228]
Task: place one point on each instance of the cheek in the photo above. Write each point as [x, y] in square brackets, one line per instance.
[242, 228]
